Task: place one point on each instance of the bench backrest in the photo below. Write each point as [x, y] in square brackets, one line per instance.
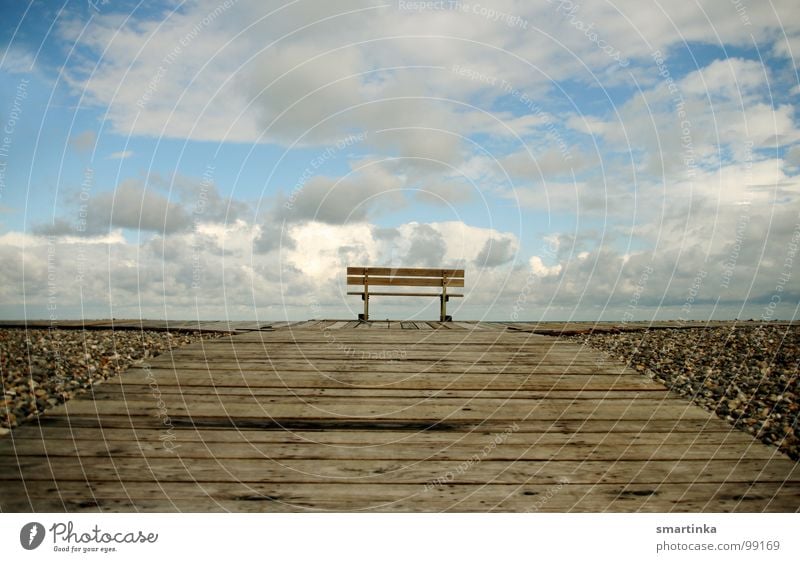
[405, 277]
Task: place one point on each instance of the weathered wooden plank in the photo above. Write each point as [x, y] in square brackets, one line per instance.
[302, 336]
[408, 281]
[511, 382]
[402, 356]
[284, 324]
[402, 294]
[212, 325]
[511, 404]
[456, 349]
[652, 435]
[353, 366]
[780, 471]
[203, 394]
[470, 333]
[276, 497]
[132, 420]
[336, 349]
[248, 326]
[462, 337]
[256, 372]
[488, 449]
[491, 326]
[404, 272]
[443, 341]
[439, 409]
[224, 348]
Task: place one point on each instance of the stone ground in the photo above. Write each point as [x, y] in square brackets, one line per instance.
[43, 368]
[747, 375]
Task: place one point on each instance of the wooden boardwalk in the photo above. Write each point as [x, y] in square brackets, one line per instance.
[387, 416]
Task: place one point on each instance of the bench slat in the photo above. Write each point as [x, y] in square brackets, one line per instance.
[382, 294]
[407, 281]
[405, 272]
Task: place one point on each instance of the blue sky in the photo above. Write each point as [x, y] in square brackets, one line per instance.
[228, 159]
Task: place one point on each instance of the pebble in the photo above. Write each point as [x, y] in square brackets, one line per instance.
[747, 375]
[43, 368]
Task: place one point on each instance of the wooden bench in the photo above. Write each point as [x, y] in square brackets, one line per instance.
[405, 277]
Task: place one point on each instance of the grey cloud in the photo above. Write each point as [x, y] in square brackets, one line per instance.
[351, 199]
[132, 206]
[58, 227]
[135, 206]
[495, 252]
[793, 156]
[416, 145]
[129, 206]
[325, 200]
[201, 197]
[742, 268]
[272, 237]
[353, 255]
[385, 233]
[427, 247]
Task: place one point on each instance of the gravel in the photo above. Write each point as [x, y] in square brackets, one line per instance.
[747, 375]
[43, 368]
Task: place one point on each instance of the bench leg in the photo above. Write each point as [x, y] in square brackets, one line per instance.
[365, 316]
[443, 316]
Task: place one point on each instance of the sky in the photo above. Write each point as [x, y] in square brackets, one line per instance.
[627, 160]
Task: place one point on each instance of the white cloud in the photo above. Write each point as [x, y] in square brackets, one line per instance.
[16, 60]
[214, 267]
[731, 78]
[788, 46]
[269, 71]
[15, 239]
[540, 270]
[213, 272]
[671, 135]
